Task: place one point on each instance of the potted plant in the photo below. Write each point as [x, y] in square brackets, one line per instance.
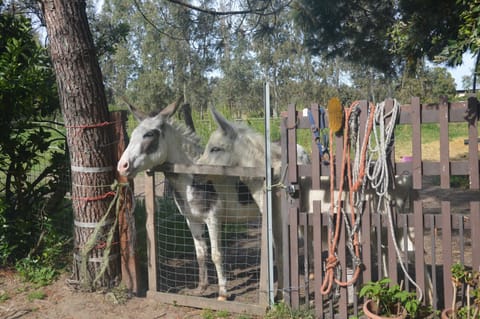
[469, 278]
[383, 300]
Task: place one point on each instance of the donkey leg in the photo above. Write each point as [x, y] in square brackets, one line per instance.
[197, 230]
[214, 227]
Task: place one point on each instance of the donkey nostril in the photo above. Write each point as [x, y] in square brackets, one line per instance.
[122, 166]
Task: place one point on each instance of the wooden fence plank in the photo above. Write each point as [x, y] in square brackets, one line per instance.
[206, 303]
[126, 221]
[294, 271]
[472, 119]
[150, 230]
[318, 261]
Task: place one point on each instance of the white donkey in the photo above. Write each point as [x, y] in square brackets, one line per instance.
[158, 140]
[235, 144]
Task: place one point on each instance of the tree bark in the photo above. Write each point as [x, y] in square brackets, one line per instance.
[89, 138]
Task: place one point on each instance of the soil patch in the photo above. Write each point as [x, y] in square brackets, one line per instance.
[61, 301]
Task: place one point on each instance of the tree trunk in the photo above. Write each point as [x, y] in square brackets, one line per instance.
[90, 141]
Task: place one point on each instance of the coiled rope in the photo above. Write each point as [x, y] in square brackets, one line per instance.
[336, 209]
[380, 150]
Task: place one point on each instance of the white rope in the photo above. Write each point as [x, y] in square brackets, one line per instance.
[378, 171]
[85, 169]
[389, 212]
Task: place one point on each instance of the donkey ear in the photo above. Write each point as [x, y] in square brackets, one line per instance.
[223, 123]
[172, 108]
[137, 114]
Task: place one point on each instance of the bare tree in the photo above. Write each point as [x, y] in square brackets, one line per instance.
[90, 140]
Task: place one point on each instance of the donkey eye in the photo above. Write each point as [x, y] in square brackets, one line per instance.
[149, 134]
[215, 149]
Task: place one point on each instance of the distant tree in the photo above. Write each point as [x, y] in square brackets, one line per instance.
[428, 83]
[467, 82]
[442, 84]
[168, 51]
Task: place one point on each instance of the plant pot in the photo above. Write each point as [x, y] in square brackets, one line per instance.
[370, 310]
[447, 313]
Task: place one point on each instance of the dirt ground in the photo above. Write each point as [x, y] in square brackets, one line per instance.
[61, 301]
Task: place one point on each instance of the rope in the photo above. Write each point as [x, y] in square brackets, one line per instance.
[87, 126]
[95, 198]
[94, 243]
[382, 148]
[379, 158]
[397, 250]
[332, 260]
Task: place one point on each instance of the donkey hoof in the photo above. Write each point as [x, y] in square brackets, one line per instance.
[222, 298]
[198, 291]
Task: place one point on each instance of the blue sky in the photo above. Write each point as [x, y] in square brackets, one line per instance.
[465, 69]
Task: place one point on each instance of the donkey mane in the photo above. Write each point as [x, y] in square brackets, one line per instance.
[191, 142]
[255, 147]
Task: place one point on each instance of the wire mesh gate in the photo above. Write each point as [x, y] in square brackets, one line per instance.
[172, 268]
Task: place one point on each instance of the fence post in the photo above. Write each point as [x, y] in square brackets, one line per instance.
[150, 229]
[126, 220]
[473, 112]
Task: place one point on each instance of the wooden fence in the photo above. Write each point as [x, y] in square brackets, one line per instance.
[444, 218]
[442, 232]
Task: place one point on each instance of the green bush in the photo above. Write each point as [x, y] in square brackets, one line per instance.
[33, 271]
[32, 149]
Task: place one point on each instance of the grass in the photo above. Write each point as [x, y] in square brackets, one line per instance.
[283, 311]
[210, 314]
[36, 295]
[4, 296]
[430, 135]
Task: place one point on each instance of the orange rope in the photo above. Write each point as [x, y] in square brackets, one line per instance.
[332, 260]
[102, 124]
[95, 198]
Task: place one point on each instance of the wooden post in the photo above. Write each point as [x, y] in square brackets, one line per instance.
[150, 228]
[126, 220]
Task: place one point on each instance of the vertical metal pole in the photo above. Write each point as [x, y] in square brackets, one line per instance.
[268, 181]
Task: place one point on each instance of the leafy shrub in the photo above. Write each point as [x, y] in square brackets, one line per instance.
[32, 150]
[33, 271]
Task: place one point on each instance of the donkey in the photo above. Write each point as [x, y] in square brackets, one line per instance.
[158, 140]
[234, 144]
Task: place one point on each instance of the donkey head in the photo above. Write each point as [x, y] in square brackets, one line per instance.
[222, 144]
[235, 144]
[148, 146]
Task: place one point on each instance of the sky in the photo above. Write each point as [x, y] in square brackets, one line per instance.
[465, 69]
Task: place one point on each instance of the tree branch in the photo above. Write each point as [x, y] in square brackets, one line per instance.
[212, 12]
[259, 11]
[153, 24]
